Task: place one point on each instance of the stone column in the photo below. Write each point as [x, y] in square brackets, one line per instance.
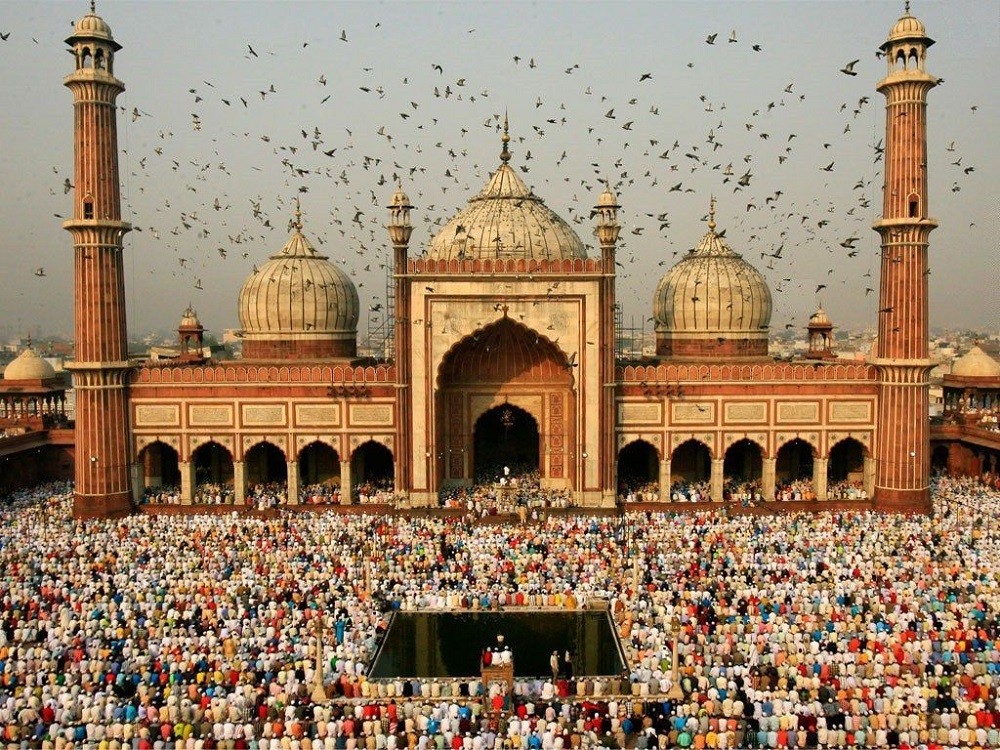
[187, 481]
[767, 478]
[293, 483]
[665, 480]
[239, 483]
[819, 477]
[718, 479]
[868, 481]
[346, 498]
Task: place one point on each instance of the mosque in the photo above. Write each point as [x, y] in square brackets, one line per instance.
[504, 350]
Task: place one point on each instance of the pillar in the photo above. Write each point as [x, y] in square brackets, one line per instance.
[293, 482]
[767, 478]
[868, 476]
[346, 497]
[187, 481]
[819, 477]
[239, 483]
[665, 480]
[718, 479]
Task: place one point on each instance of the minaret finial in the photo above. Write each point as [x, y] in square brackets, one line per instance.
[93, 7]
[298, 215]
[711, 215]
[906, 6]
[505, 139]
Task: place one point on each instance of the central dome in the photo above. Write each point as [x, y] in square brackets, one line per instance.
[712, 304]
[506, 220]
[298, 305]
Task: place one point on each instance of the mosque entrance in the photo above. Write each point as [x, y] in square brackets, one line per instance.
[505, 436]
[506, 396]
[451, 644]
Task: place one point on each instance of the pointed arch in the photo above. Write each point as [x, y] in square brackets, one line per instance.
[160, 465]
[638, 466]
[691, 461]
[265, 463]
[505, 351]
[847, 462]
[319, 464]
[744, 461]
[372, 467]
[213, 472]
[794, 461]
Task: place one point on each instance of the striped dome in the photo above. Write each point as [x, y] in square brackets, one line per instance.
[713, 295]
[298, 295]
[506, 220]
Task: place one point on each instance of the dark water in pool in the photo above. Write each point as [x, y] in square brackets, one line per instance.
[449, 644]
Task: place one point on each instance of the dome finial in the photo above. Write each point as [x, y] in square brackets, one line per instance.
[93, 7]
[298, 215]
[505, 139]
[711, 215]
[906, 7]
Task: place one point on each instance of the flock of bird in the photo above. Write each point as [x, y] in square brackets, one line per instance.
[191, 187]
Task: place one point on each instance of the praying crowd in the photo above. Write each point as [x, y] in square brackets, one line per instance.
[795, 630]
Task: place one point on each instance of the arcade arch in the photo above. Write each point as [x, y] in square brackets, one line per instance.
[160, 466]
[319, 464]
[265, 464]
[744, 462]
[372, 465]
[638, 466]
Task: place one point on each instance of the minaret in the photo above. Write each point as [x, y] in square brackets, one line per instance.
[100, 369]
[607, 231]
[902, 447]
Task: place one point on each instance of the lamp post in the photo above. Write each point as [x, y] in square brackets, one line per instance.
[400, 229]
[319, 691]
[676, 692]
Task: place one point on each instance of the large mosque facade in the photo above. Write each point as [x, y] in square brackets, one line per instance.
[504, 352]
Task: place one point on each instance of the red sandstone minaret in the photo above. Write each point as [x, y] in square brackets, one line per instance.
[100, 367]
[902, 440]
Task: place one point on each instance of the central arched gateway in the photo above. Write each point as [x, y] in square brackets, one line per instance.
[506, 397]
[505, 437]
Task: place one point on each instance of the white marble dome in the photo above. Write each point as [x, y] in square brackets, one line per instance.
[28, 365]
[713, 294]
[506, 220]
[976, 364]
[298, 291]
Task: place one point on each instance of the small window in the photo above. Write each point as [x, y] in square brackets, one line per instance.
[914, 203]
[88, 209]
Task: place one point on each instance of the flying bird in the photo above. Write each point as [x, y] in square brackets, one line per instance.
[39, 272]
[848, 70]
[711, 39]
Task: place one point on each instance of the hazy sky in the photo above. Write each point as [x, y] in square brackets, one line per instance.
[344, 119]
